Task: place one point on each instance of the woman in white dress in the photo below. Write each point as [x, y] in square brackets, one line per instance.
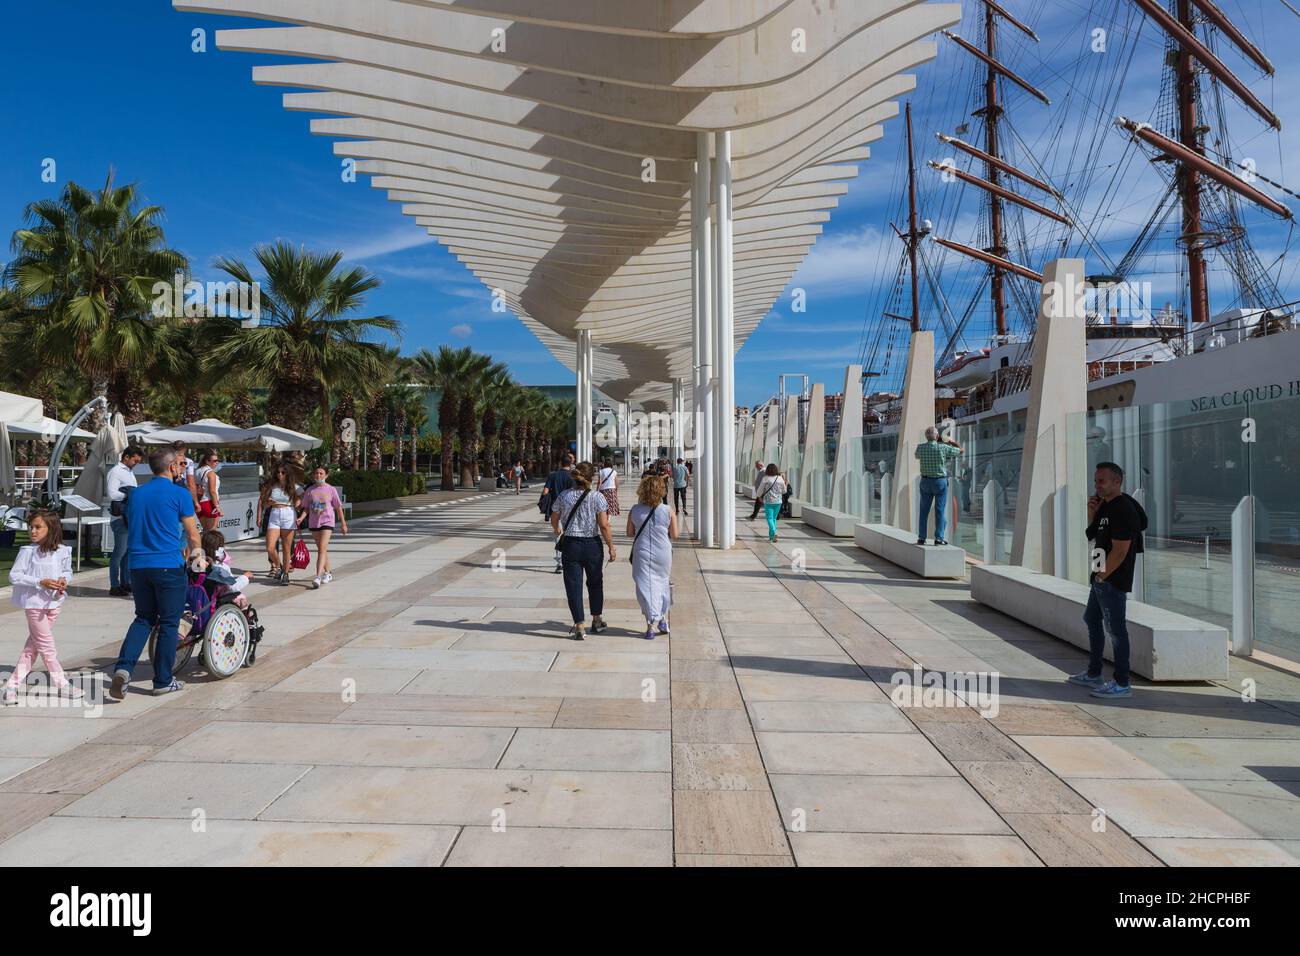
[653, 526]
[607, 485]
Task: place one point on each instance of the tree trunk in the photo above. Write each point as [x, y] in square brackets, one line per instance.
[415, 452]
[193, 408]
[241, 409]
[375, 417]
[448, 481]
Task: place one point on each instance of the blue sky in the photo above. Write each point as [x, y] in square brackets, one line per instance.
[93, 85]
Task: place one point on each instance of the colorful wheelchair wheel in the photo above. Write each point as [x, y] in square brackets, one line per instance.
[225, 641]
[184, 652]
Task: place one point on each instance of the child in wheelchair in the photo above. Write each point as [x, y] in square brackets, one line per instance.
[210, 568]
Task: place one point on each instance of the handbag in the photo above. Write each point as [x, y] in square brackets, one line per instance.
[559, 542]
[301, 556]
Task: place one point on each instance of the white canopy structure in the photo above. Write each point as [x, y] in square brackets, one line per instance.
[204, 433]
[276, 438]
[637, 181]
[44, 429]
[15, 409]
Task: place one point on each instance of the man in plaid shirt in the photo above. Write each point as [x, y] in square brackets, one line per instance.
[933, 455]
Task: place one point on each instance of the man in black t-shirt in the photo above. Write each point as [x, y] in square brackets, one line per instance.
[1115, 525]
[557, 482]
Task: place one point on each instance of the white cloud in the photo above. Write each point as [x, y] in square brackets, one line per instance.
[840, 265]
[461, 331]
[377, 246]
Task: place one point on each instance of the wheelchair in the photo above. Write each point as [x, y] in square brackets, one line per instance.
[225, 634]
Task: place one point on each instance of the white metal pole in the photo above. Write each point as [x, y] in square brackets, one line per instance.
[702, 236]
[725, 344]
[1243, 577]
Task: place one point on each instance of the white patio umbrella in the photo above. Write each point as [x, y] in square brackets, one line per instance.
[7, 484]
[46, 429]
[203, 433]
[276, 438]
[105, 452]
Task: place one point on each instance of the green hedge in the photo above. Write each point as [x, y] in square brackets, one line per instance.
[375, 485]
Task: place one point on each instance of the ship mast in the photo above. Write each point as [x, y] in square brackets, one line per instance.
[913, 235]
[991, 112]
[1189, 188]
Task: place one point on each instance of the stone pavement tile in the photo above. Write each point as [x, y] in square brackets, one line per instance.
[924, 850]
[726, 726]
[829, 716]
[880, 804]
[735, 859]
[1066, 720]
[1068, 839]
[434, 606]
[18, 811]
[702, 671]
[555, 846]
[1181, 808]
[693, 649]
[606, 643]
[602, 661]
[706, 695]
[367, 658]
[288, 708]
[72, 841]
[611, 604]
[968, 740]
[11, 767]
[1021, 786]
[342, 743]
[528, 798]
[29, 736]
[222, 791]
[586, 712]
[717, 766]
[1195, 758]
[1181, 851]
[727, 822]
[1240, 721]
[358, 680]
[428, 638]
[822, 647]
[220, 694]
[809, 687]
[770, 628]
[81, 769]
[479, 711]
[529, 684]
[159, 728]
[573, 749]
[852, 753]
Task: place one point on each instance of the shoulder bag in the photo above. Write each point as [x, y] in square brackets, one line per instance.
[559, 542]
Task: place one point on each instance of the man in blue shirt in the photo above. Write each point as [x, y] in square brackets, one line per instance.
[156, 513]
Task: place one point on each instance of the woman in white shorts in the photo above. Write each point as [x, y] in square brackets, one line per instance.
[279, 503]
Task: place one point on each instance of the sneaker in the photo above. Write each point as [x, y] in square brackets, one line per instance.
[171, 688]
[577, 633]
[9, 698]
[71, 692]
[663, 626]
[598, 624]
[940, 543]
[284, 577]
[117, 690]
[1085, 679]
[315, 582]
[115, 591]
[326, 578]
[1111, 689]
[921, 542]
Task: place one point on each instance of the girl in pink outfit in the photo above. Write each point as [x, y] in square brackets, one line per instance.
[321, 502]
[40, 577]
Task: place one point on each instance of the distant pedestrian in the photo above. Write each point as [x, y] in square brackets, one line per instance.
[557, 482]
[1115, 525]
[681, 480]
[322, 503]
[119, 485]
[580, 519]
[158, 511]
[760, 470]
[40, 577]
[208, 483]
[934, 455]
[607, 484]
[278, 504]
[517, 472]
[769, 492]
[652, 527]
[185, 474]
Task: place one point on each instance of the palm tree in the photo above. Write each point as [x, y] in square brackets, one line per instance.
[481, 371]
[306, 340]
[444, 372]
[417, 419]
[372, 394]
[91, 260]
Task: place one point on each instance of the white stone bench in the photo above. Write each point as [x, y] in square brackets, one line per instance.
[1163, 645]
[837, 524]
[900, 547]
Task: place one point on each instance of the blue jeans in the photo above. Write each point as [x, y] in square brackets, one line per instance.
[933, 491]
[119, 563]
[159, 598]
[1106, 609]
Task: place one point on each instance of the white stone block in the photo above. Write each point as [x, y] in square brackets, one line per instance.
[900, 547]
[835, 523]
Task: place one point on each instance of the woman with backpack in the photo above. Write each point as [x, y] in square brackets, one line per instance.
[769, 490]
[580, 519]
[652, 525]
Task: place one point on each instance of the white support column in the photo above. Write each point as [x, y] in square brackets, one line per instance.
[702, 258]
[584, 404]
[624, 433]
[724, 429]
[678, 442]
[1243, 577]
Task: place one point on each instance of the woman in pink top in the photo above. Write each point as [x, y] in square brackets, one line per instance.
[321, 502]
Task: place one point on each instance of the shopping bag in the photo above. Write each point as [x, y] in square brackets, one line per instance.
[301, 556]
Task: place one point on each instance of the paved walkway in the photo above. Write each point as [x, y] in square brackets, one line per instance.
[426, 708]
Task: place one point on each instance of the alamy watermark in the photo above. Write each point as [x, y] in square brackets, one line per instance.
[922, 688]
[194, 299]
